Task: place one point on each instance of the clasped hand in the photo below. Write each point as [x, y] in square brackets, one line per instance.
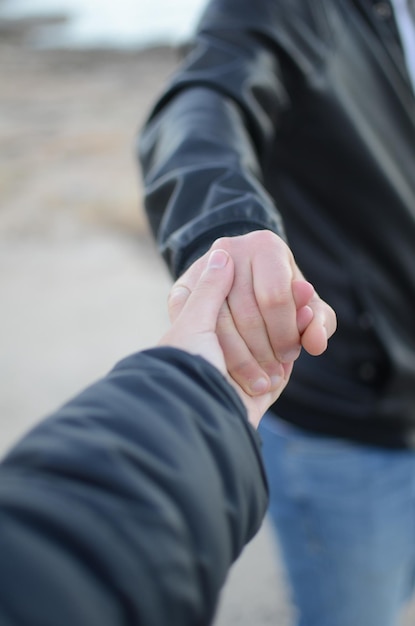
[246, 307]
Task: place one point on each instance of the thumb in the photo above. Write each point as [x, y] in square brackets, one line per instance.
[198, 307]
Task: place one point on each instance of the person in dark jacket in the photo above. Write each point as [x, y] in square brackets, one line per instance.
[290, 129]
[129, 504]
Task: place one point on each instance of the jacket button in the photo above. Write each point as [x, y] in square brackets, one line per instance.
[367, 372]
[383, 10]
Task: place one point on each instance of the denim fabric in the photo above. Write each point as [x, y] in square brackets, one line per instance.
[345, 519]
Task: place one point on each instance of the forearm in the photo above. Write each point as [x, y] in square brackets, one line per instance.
[102, 518]
[202, 177]
[204, 147]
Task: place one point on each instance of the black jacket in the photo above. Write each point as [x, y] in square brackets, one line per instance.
[128, 505]
[303, 110]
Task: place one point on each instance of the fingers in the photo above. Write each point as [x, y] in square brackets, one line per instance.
[268, 312]
[255, 378]
[302, 292]
[184, 286]
[258, 405]
[305, 316]
[243, 329]
[244, 336]
[315, 337]
[198, 306]
[272, 284]
[242, 365]
[261, 332]
[316, 320]
[194, 311]
[271, 311]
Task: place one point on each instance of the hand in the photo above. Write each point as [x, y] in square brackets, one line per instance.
[270, 313]
[194, 316]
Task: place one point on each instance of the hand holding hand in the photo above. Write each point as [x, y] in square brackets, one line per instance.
[194, 316]
[271, 312]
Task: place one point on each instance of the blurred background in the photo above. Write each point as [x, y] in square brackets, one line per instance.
[81, 283]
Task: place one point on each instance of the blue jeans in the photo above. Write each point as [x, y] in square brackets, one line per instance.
[345, 519]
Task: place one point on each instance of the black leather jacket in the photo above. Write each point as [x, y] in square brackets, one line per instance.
[300, 114]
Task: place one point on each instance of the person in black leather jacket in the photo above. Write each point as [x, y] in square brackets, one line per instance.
[292, 123]
[128, 505]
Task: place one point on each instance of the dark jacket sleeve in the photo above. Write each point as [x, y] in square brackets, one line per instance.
[128, 505]
[207, 143]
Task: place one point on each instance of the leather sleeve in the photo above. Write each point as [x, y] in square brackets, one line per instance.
[130, 503]
[201, 150]
[208, 140]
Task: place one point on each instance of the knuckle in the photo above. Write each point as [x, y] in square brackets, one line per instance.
[222, 242]
[275, 298]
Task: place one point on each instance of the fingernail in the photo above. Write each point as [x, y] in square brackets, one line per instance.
[260, 386]
[276, 381]
[218, 259]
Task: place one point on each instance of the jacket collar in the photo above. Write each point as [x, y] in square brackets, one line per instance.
[381, 17]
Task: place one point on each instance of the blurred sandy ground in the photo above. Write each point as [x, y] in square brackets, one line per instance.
[81, 284]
